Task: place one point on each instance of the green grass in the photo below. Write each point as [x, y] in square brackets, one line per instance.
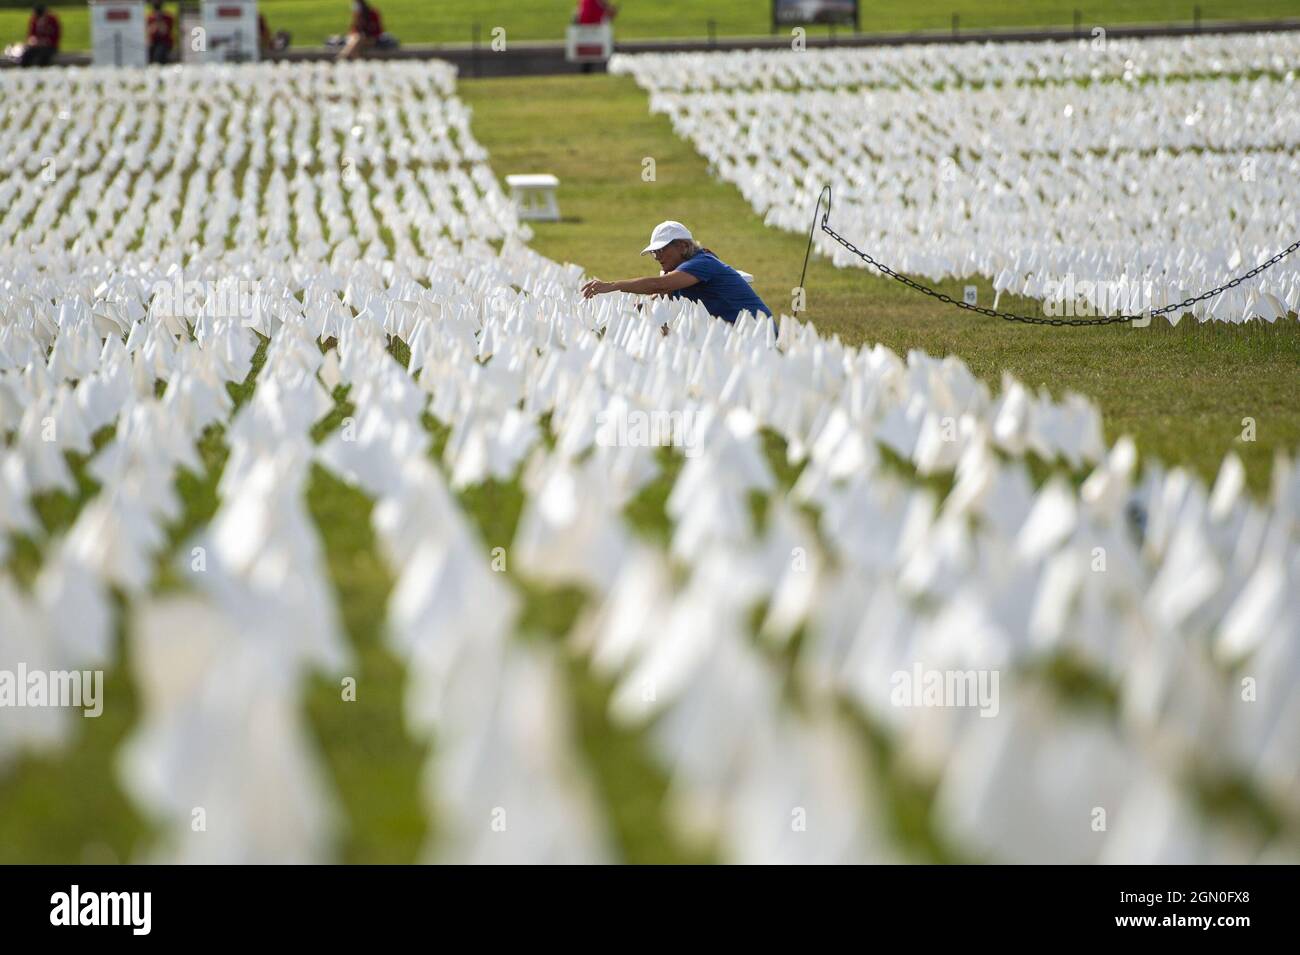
[452, 21]
[1182, 392]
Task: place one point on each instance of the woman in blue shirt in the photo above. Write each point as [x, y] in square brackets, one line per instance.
[689, 271]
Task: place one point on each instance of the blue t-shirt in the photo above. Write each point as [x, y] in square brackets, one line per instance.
[722, 290]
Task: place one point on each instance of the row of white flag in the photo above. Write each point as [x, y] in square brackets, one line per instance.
[1091, 58]
[1098, 199]
[880, 576]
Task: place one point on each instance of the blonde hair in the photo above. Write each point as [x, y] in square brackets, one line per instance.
[693, 248]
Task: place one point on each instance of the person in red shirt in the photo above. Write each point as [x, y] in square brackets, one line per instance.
[365, 30]
[594, 11]
[160, 32]
[43, 34]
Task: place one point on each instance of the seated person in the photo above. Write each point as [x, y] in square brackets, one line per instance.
[591, 12]
[365, 31]
[43, 33]
[160, 32]
[268, 41]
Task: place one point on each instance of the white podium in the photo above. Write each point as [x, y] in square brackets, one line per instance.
[589, 42]
[117, 33]
[231, 31]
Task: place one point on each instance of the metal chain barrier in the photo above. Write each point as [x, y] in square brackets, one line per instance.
[1010, 316]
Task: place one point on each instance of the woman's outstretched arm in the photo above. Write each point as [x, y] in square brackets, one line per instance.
[650, 285]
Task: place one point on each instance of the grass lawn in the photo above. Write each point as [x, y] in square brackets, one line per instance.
[451, 21]
[1182, 392]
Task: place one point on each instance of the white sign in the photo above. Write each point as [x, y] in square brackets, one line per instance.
[117, 33]
[231, 30]
[589, 42]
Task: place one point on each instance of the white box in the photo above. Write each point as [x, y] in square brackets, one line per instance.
[589, 42]
[117, 33]
[231, 28]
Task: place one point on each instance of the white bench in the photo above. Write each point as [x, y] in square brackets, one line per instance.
[534, 196]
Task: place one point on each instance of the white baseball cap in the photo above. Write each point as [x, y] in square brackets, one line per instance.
[664, 233]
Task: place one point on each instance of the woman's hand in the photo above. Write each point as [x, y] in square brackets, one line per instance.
[597, 287]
